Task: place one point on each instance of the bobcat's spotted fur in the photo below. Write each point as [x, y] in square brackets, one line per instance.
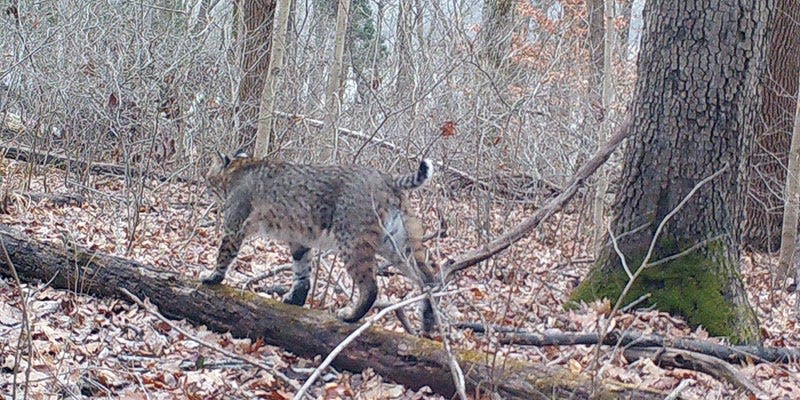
[355, 210]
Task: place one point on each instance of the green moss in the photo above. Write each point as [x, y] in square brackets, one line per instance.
[688, 286]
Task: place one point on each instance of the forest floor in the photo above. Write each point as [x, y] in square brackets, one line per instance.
[108, 348]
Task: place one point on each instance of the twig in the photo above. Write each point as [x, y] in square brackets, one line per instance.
[338, 349]
[657, 233]
[637, 301]
[241, 357]
[455, 369]
[399, 313]
[673, 395]
[685, 252]
[24, 332]
[274, 271]
[380, 143]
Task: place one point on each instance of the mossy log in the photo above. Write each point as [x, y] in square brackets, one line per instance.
[409, 360]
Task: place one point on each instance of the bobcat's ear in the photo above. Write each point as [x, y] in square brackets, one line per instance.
[223, 159]
[241, 153]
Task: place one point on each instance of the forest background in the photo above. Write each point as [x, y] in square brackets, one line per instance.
[112, 110]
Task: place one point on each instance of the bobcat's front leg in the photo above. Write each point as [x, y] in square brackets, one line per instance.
[232, 239]
[228, 250]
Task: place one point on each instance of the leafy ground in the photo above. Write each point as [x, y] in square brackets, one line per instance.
[83, 346]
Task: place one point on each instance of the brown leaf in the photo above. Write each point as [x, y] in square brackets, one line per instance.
[448, 128]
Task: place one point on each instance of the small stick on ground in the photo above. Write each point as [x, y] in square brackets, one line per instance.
[275, 271]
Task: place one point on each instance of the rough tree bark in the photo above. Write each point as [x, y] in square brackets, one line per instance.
[254, 42]
[693, 116]
[774, 132]
[412, 361]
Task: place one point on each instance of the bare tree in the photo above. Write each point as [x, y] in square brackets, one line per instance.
[498, 32]
[605, 131]
[773, 133]
[264, 135]
[333, 91]
[791, 193]
[254, 33]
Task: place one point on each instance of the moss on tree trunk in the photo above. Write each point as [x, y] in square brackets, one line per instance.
[693, 286]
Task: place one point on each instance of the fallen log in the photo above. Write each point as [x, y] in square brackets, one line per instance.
[41, 157]
[409, 360]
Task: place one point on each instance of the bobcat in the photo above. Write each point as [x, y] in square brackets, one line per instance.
[355, 210]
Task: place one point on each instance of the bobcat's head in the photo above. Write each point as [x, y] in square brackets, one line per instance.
[218, 174]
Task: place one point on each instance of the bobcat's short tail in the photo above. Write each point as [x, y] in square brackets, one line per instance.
[416, 179]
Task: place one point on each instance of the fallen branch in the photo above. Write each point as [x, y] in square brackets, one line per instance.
[551, 207]
[57, 199]
[405, 359]
[22, 153]
[684, 359]
[739, 354]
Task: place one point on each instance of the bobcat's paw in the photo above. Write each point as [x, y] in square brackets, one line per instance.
[213, 279]
[297, 295]
[346, 315]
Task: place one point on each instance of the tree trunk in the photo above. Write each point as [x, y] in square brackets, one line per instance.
[254, 41]
[693, 117]
[605, 130]
[635, 29]
[595, 43]
[405, 359]
[264, 135]
[404, 85]
[773, 134]
[792, 195]
[333, 101]
[498, 33]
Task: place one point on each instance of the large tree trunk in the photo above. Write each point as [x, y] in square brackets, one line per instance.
[405, 359]
[773, 134]
[254, 42]
[694, 115]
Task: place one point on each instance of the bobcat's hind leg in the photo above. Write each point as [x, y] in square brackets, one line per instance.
[301, 266]
[361, 268]
[401, 244]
